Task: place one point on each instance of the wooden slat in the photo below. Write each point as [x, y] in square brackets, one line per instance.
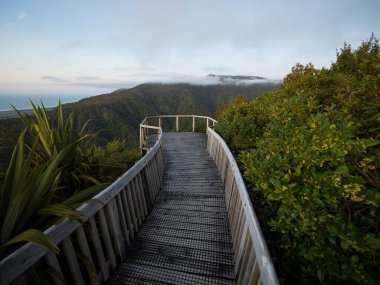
[127, 214]
[52, 260]
[107, 239]
[114, 222]
[135, 190]
[136, 204]
[98, 249]
[185, 239]
[250, 267]
[131, 208]
[85, 250]
[267, 272]
[141, 190]
[72, 261]
[243, 259]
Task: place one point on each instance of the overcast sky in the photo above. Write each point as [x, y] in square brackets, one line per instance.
[96, 46]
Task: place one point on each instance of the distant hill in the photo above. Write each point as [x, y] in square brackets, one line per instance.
[119, 113]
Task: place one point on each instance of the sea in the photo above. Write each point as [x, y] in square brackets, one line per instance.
[22, 102]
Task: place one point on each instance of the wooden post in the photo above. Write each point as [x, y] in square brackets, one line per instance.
[177, 124]
[160, 122]
[193, 124]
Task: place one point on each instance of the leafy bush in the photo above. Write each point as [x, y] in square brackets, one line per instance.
[49, 178]
[312, 161]
[115, 158]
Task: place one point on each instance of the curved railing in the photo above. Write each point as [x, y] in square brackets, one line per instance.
[253, 264]
[93, 248]
[151, 126]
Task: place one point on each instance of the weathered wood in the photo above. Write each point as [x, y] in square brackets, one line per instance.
[85, 250]
[126, 203]
[185, 239]
[52, 260]
[98, 249]
[267, 272]
[72, 261]
[107, 239]
[114, 222]
[132, 208]
[135, 204]
[128, 217]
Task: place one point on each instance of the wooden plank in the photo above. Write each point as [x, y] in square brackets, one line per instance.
[250, 267]
[141, 190]
[137, 192]
[242, 255]
[106, 239]
[131, 208]
[148, 184]
[85, 250]
[114, 222]
[72, 261]
[127, 213]
[52, 260]
[98, 249]
[186, 234]
[268, 273]
[136, 207]
[123, 221]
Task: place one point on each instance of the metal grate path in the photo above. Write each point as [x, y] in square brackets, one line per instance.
[185, 239]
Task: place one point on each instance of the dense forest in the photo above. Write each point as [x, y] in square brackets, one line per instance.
[310, 154]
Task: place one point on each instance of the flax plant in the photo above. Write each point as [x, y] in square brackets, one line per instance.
[45, 181]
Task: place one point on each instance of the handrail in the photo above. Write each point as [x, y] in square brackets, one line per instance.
[125, 204]
[118, 216]
[253, 263]
[146, 126]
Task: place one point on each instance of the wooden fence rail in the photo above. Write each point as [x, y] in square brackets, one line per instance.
[253, 264]
[92, 249]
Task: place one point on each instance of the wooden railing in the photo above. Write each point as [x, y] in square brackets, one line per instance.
[253, 264]
[93, 248]
[153, 125]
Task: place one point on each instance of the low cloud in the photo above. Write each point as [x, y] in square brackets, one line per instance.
[87, 78]
[53, 79]
[22, 15]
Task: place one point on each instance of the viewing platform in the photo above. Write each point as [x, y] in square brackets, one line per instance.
[180, 215]
[185, 239]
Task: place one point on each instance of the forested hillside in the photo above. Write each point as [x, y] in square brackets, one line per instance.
[119, 113]
[310, 154]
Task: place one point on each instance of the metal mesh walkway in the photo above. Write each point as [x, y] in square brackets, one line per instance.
[185, 239]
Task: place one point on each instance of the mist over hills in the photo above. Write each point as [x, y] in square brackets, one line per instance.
[238, 79]
[119, 113]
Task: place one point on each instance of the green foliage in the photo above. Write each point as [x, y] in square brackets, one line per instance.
[312, 161]
[115, 158]
[47, 179]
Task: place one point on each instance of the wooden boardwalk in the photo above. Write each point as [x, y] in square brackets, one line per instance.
[185, 239]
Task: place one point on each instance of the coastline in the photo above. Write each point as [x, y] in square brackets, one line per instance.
[11, 114]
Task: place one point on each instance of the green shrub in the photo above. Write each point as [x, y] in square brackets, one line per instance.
[312, 164]
[49, 178]
[115, 158]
